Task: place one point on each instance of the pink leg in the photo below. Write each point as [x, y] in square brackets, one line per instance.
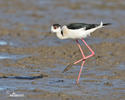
[84, 58]
[78, 44]
[77, 81]
[92, 52]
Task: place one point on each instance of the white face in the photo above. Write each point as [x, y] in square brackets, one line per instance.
[55, 29]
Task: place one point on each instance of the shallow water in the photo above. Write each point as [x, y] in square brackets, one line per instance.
[28, 49]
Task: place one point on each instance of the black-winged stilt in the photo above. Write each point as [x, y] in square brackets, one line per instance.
[77, 31]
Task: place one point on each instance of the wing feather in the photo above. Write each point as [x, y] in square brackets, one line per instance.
[81, 25]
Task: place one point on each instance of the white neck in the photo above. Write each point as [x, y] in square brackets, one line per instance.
[59, 35]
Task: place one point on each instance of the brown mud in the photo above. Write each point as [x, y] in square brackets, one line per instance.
[32, 59]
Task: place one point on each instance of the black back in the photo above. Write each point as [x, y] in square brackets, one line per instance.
[81, 25]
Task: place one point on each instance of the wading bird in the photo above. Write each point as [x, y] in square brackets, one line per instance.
[77, 31]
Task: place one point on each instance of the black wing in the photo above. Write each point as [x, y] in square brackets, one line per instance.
[81, 25]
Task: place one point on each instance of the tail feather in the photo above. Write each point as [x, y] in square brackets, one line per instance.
[105, 24]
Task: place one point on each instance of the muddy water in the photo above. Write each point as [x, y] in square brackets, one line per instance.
[32, 59]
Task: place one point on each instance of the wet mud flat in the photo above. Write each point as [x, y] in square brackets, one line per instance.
[36, 70]
[32, 59]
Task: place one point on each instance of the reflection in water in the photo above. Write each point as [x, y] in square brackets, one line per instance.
[23, 77]
[2, 43]
[12, 56]
[121, 66]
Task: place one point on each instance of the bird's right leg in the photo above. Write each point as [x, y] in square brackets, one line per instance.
[83, 59]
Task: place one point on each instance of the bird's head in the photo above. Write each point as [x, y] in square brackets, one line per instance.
[55, 28]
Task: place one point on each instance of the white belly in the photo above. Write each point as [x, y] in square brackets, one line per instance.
[77, 34]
